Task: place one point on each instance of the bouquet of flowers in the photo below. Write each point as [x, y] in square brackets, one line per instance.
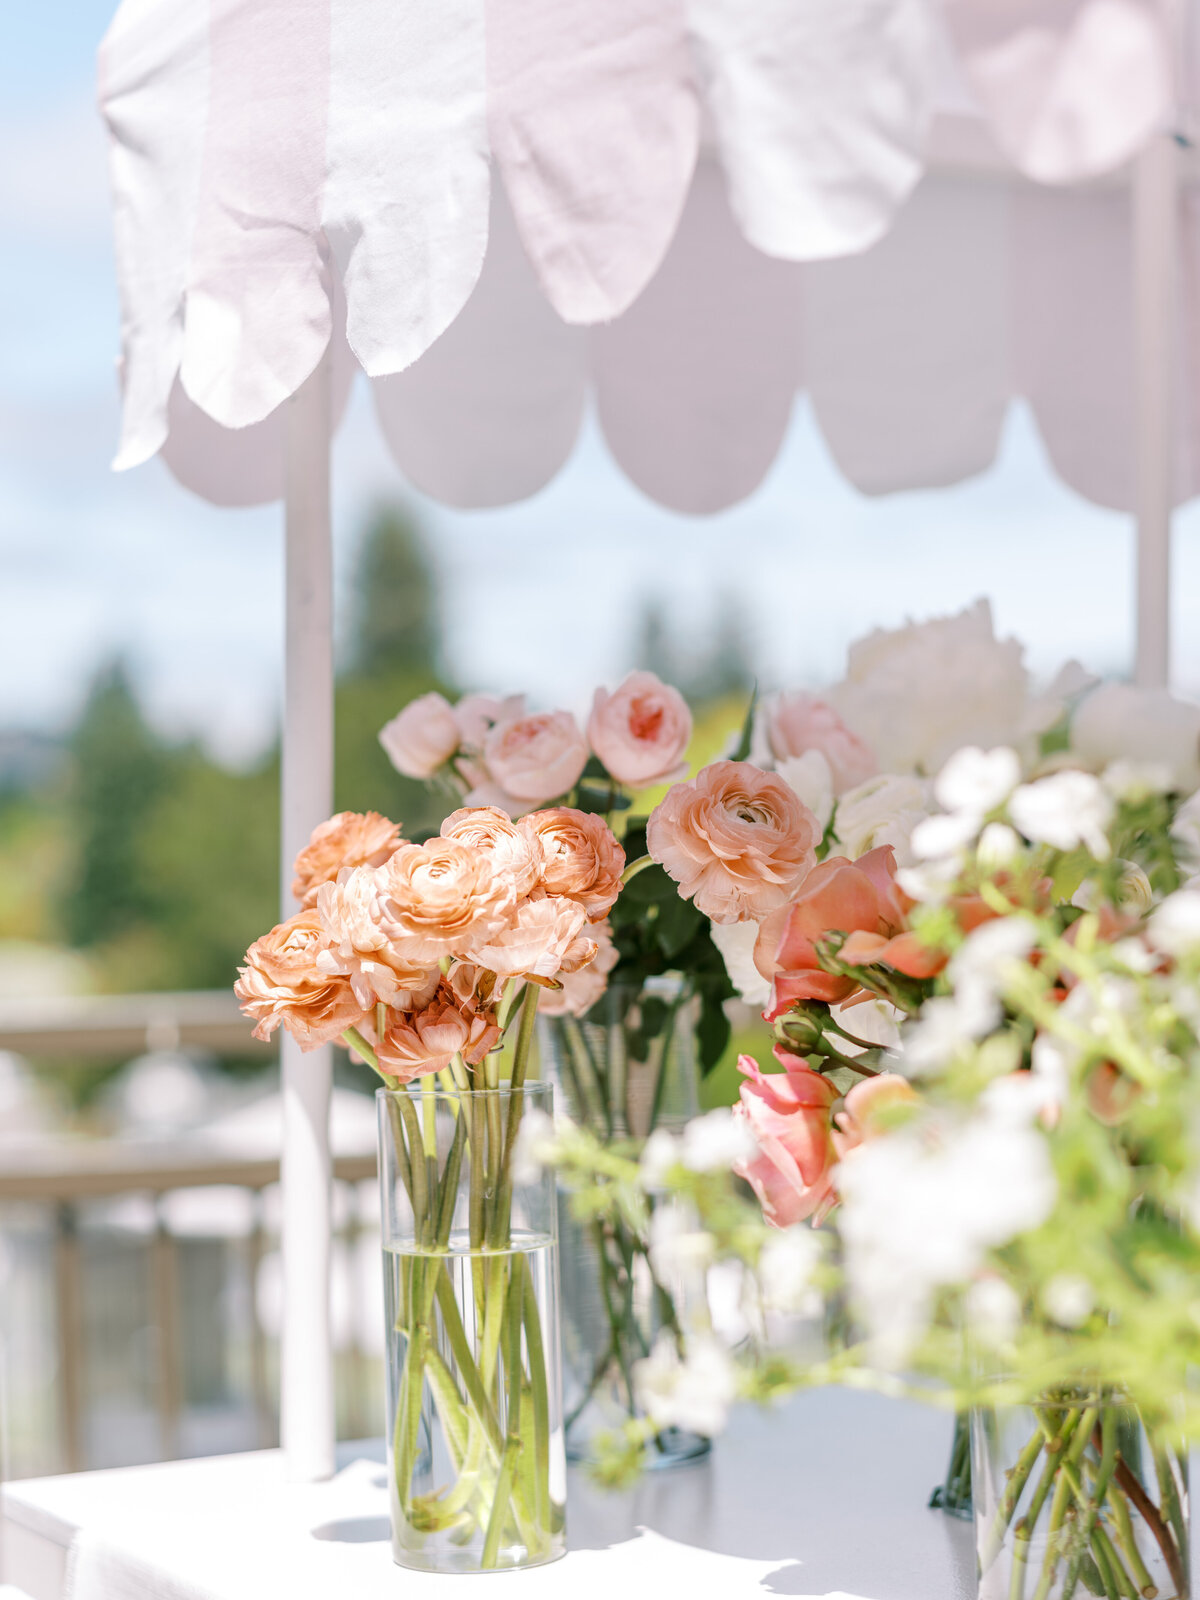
[983, 993]
[422, 958]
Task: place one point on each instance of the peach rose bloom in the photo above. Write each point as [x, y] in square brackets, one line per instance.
[543, 935]
[641, 731]
[797, 723]
[351, 839]
[866, 1110]
[738, 841]
[788, 1114]
[580, 989]
[536, 757]
[581, 858]
[424, 1041]
[423, 737]
[357, 947]
[281, 983]
[839, 896]
[438, 898]
[512, 851]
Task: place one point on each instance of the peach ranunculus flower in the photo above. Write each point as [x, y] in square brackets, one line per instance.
[281, 983]
[350, 839]
[641, 731]
[511, 849]
[418, 1042]
[544, 936]
[536, 757]
[423, 737]
[789, 1116]
[797, 723]
[357, 948]
[438, 898]
[581, 858]
[839, 896]
[738, 841]
[581, 988]
[867, 1110]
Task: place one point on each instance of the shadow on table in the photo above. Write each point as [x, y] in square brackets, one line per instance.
[834, 1491]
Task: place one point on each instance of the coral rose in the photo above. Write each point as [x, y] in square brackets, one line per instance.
[738, 841]
[839, 896]
[351, 839]
[512, 851]
[868, 1108]
[581, 858]
[425, 1041]
[641, 731]
[358, 949]
[281, 983]
[797, 723]
[542, 935]
[422, 738]
[436, 899]
[788, 1114]
[536, 757]
[582, 988]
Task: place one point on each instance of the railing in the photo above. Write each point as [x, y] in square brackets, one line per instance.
[66, 1175]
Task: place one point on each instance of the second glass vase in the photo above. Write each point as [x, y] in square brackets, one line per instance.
[625, 1069]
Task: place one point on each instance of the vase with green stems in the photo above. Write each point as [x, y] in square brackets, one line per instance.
[953, 1494]
[476, 1462]
[625, 1068]
[1078, 1496]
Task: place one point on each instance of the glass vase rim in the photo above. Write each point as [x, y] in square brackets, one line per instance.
[440, 1092]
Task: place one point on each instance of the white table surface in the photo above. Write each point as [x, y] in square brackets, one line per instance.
[823, 1497]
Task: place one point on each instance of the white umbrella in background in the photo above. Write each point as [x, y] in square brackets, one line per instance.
[689, 210]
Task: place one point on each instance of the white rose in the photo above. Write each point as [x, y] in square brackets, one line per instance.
[918, 693]
[884, 810]
[736, 941]
[1147, 726]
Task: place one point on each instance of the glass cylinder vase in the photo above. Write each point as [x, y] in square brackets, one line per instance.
[1075, 1497]
[476, 1462]
[626, 1068]
[953, 1494]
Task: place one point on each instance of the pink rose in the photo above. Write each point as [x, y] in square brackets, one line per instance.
[477, 714]
[839, 896]
[641, 731]
[738, 841]
[422, 738]
[788, 1115]
[800, 722]
[536, 757]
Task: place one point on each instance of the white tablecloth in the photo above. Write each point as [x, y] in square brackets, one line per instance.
[823, 1498]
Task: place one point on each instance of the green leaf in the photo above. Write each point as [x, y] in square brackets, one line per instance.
[742, 749]
[676, 926]
[712, 1032]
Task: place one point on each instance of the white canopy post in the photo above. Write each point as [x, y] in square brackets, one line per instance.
[306, 1408]
[1155, 252]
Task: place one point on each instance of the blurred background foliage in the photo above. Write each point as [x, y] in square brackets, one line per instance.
[157, 865]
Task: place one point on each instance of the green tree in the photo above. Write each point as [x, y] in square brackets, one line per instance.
[119, 769]
[394, 651]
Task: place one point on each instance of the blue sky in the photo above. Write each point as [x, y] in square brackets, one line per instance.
[91, 562]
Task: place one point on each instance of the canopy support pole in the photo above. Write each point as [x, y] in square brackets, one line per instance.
[306, 1404]
[1155, 247]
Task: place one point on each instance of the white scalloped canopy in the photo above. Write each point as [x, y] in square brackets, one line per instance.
[687, 210]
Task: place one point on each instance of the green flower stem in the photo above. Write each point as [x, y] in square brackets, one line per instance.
[1095, 1499]
[450, 1407]
[460, 1349]
[592, 1097]
[1062, 1492]
[1103, 1549]
[418, 1166]
[500, 1500]
[634, 867]
[1150, 1516]
[1127, 1539]
[445, 1214]
[1008, 1501]
[1168, 1499]
[540, 1394]
[663, 1043]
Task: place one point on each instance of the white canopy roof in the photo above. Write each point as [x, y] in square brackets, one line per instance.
[689, 209]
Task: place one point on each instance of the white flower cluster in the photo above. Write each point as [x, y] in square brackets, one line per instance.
[921, 1208]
